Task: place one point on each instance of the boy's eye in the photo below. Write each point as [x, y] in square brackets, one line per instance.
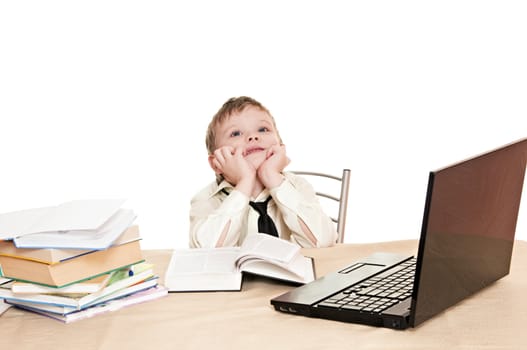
[263, 129]
[235, 133]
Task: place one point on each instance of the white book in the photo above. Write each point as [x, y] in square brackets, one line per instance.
[74, 215]
[82, 301]
[97, 239]
[149, 294]
[221, 269]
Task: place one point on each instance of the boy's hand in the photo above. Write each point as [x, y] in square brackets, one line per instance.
[270, 172]
[233, 166]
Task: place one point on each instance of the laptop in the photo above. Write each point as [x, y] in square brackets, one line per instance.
[466, 243]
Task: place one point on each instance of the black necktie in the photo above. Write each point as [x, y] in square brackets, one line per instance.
[265, 223]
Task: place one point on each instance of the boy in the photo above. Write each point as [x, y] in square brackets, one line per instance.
[251, 192]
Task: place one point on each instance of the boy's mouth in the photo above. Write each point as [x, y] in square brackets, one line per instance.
[251, 150]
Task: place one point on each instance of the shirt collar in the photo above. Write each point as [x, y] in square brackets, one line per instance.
[223, 185]
[227, 187]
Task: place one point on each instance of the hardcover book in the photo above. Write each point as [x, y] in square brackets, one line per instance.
[72, 270]
[91, 285]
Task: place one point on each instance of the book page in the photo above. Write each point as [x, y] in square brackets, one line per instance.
[77, 215]
[74, 215]
[81, 239]
[299, 270]
[195, 261]
[4, 280]
[268, 248]
[203, 270]
[14, 223]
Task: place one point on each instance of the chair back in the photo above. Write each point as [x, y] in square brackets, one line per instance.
[340, 196]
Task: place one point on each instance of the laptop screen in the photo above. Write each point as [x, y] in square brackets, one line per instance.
[468, 228]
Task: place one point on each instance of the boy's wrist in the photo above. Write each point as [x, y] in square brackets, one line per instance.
[271, 179]
[245, 185]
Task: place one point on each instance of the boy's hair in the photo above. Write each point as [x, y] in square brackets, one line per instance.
[232, 106]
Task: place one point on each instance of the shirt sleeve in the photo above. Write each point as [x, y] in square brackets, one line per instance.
[296, 199]
[211, 212]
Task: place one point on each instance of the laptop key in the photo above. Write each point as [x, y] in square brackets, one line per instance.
[330, 304]
[351, 307]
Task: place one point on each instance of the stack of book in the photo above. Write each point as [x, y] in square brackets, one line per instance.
[74, 261]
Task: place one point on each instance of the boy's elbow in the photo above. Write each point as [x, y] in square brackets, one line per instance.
[327, 239]
[193, 242]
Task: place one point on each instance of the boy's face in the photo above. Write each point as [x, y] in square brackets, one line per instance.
[252, 130]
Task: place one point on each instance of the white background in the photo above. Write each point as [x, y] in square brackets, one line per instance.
[106, 99]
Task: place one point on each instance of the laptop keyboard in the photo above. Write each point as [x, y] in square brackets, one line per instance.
[376, 293]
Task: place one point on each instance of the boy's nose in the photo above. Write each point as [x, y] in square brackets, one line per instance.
[253, 138]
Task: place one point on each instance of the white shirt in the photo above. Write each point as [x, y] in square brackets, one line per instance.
[212, 209]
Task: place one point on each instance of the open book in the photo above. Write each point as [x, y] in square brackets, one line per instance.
[221, 269]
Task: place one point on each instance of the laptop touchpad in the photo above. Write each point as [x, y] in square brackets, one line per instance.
[358, 266]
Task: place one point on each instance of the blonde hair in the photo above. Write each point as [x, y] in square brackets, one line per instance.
[232, 106]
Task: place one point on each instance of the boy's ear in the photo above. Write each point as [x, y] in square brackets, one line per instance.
[213, 166]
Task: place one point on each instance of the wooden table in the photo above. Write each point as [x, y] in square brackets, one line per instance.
[494, 318]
